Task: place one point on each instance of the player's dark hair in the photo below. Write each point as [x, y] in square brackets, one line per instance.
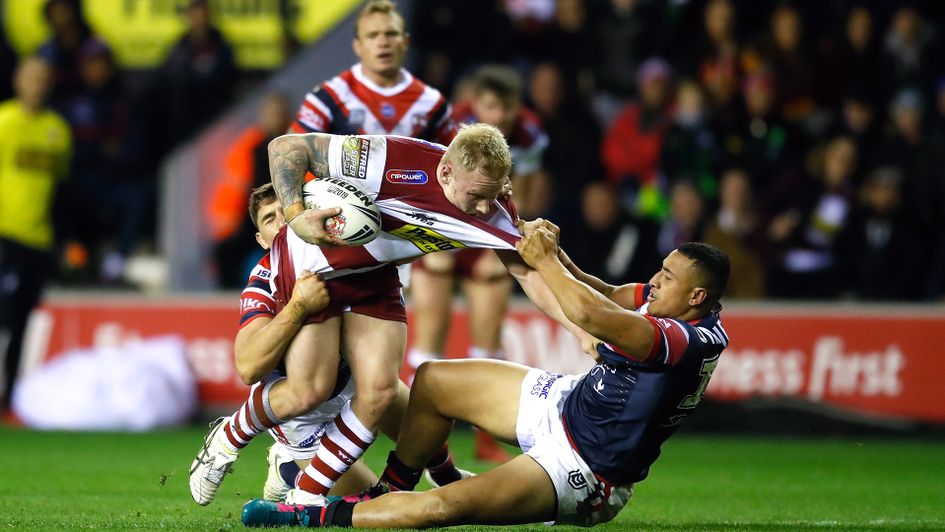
[260, 196]
[713, 263]
[501, 80]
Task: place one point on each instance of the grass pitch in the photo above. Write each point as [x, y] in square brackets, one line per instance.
[61, 480]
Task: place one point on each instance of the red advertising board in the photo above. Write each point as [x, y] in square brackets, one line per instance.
[882, 362]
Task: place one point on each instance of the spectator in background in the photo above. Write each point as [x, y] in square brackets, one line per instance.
[909, 52]
[614, 246]
[808, 220]
[881, 251]
[70, 32]
[908, 148]
[714, 58]
[109, 198]
[35, 146]
[848, 61]
[623, 36]
[689, 148]
[442, 31]
[631, 147]
[569, 42]
[858, 121]
[198, 77]
[786, 53]
[685, 222]
[735, 230]
[573, 143]
[759, 141]
[246, 166]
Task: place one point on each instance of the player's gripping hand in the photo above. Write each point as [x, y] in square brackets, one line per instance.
[538, 246]
[309, 225]
[310, 293]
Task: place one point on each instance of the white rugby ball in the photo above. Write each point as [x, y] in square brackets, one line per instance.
[360, 219]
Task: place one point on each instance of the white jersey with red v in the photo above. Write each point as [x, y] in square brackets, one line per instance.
[351, 104]
[399, 175]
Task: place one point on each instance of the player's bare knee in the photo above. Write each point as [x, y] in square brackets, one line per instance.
[306, 399]
[380, 396]
[428, 377]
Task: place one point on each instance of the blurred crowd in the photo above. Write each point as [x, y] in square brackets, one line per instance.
[122, 124]
[806, 139]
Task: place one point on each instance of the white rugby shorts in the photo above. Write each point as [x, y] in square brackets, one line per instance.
[301, 435]
[582, 499]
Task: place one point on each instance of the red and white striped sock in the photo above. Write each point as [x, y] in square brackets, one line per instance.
[342, 444]
[253, 418]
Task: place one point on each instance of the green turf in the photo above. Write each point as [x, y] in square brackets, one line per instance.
[67, 480]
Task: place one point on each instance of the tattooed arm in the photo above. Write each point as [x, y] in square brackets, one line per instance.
[290, 158]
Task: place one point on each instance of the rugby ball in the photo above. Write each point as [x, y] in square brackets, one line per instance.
[360, 219]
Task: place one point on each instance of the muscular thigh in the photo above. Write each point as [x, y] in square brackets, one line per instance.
[374, 347]
[485, 393]
[314, 353]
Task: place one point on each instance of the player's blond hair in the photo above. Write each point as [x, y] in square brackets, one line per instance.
[481, 147]
[380, 6]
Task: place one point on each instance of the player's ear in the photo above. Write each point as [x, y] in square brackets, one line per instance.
[446, 175]
[698, 296]
[261, 242]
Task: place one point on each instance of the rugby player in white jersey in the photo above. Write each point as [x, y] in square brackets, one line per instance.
[431, 199]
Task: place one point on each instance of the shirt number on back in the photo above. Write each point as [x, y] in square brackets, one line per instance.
[708, 366]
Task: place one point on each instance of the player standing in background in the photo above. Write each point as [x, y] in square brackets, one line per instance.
[35, 149]
[377, 96]
[497, 101]
[587, 438]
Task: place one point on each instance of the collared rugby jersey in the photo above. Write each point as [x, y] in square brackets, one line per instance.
[351, 104]
[399, 175]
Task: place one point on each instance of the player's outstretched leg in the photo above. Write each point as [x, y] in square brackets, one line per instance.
[212, 463]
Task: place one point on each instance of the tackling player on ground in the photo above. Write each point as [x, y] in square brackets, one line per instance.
[588, 438]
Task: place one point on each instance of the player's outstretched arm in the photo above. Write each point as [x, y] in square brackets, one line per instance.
[290, 158]
[623, 295]
[537, 291]
[262, 343]
[583, 305]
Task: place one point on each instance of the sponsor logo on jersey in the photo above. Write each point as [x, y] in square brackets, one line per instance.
[260, 271]
[426, 239]
[387, 110]
[248, 305]
[424, 218]
[406, 177]
[354, 157]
